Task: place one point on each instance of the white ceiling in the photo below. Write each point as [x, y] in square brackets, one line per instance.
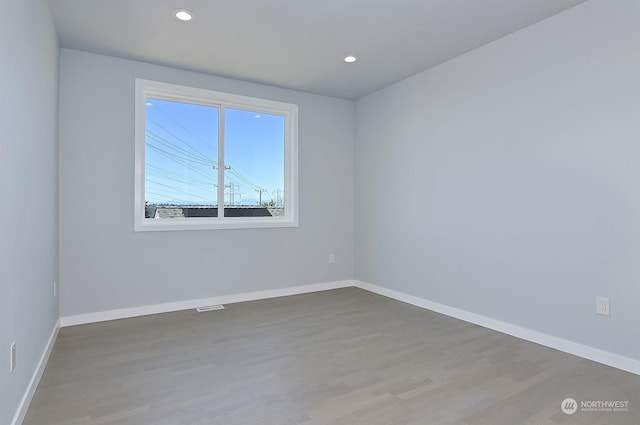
[297, 44]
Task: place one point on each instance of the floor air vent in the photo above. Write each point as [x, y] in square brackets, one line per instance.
[210, 308]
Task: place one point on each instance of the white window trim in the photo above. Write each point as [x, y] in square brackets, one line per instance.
[148, 88]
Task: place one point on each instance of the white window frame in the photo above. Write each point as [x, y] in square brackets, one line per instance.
[147, 88]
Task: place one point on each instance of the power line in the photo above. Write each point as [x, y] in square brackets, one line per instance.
[161, 172]
[177, 137]
[177, 190]
[187, 155]
[177, 159]
[183, 127]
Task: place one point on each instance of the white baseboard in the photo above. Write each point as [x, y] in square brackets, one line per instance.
[145, 310]
[580, 350]
[35, 378]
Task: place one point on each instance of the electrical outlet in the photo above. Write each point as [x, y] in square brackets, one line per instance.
[12, 357]
[332, 258]
[55, 289]
[602, 305]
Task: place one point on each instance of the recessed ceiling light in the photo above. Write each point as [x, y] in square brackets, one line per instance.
[350, 59]
[182, 15]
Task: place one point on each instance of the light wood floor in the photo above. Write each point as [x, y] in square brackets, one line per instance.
[344, 357]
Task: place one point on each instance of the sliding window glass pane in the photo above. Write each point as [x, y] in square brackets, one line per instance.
[181, 160]
[254, 164]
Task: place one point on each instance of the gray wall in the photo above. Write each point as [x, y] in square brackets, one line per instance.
[104, 265]
[506, 182]
[28, 189]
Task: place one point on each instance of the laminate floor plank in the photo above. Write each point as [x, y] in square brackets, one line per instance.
[337, 357]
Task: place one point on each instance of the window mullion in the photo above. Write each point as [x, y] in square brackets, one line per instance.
[221, 162]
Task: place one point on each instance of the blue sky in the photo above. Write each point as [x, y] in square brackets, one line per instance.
[182, 154]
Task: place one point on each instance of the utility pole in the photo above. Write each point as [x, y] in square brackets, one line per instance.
[260, 192]
[278, 193]
[232, 187]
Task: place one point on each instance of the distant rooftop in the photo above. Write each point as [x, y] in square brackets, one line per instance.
[208, 211]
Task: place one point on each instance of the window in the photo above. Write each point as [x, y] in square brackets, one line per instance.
[211, 160]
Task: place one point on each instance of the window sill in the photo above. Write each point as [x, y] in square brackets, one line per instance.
[183, 224]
